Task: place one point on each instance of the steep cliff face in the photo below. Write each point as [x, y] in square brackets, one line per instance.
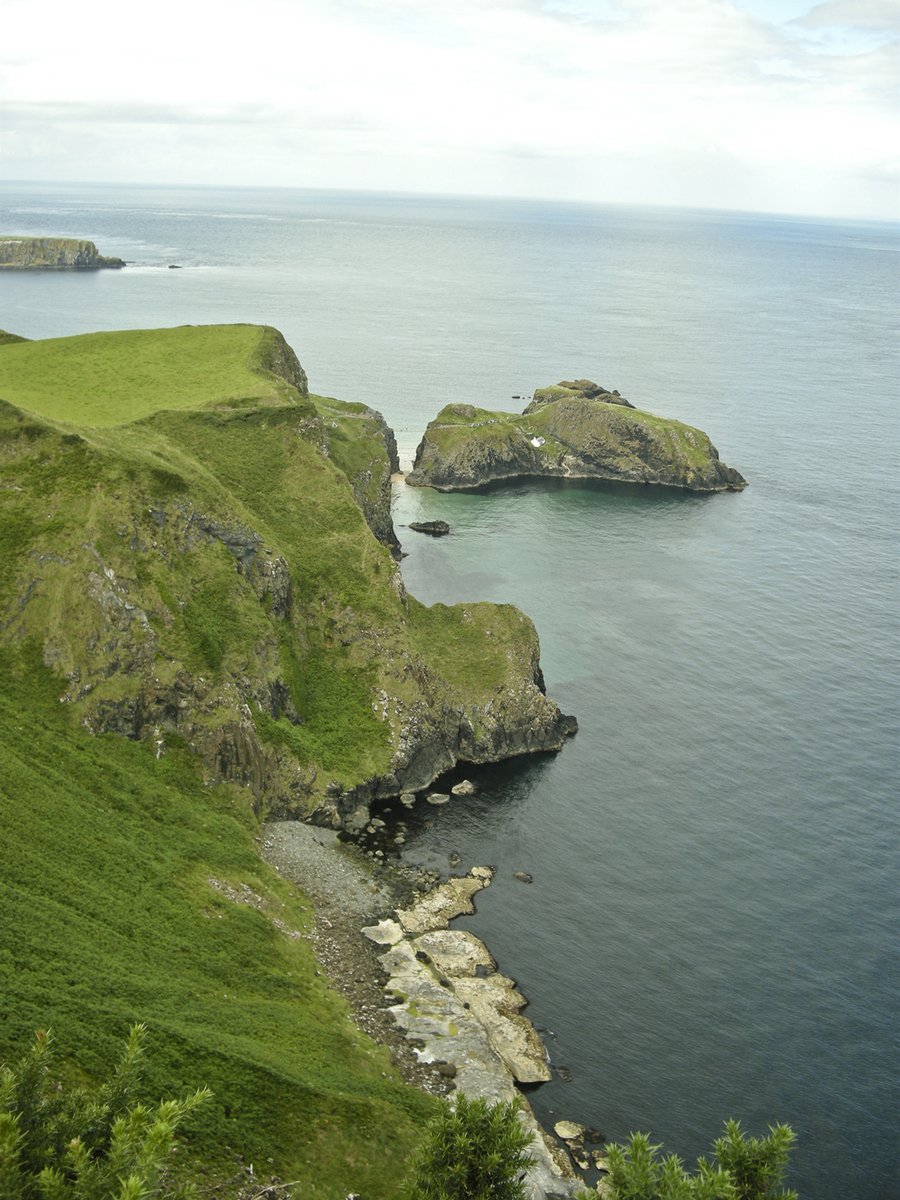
[52, 254]
[208, 574]
[360, 442]
[574, 430]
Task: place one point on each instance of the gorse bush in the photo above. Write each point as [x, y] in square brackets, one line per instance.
[473, 1151]
[79, 1144]
[745, 1168]
[756, 1165]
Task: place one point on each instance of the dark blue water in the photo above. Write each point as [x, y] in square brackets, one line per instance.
[712, 927]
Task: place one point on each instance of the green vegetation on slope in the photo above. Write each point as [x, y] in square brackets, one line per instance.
[184, 561]
[119, 870]
[80, 1143]
[209, 573]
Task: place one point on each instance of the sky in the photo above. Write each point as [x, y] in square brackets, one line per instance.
[763, 105]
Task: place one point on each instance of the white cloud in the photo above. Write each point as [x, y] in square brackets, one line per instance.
[855, 14]
[688, 101]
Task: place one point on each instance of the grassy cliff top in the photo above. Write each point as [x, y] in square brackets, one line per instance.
[105, 379]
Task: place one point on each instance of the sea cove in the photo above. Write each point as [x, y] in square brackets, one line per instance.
[708, 932]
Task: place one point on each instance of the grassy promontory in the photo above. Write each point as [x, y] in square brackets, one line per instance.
[198, 625]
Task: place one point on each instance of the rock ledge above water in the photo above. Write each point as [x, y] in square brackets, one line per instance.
[449, 996]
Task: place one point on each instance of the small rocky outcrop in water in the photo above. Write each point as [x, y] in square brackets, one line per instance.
[434, 528]
[52, 254]
[575, 430]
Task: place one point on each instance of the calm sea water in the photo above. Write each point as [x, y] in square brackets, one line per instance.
[712, 926]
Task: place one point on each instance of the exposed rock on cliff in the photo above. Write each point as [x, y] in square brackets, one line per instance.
[360, 442]
[52, 254]
[585, 388]
[209, 574]
[574, 430]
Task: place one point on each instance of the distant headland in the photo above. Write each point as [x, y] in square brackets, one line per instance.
[52, 254]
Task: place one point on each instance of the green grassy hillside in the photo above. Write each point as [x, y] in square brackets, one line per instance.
[113, 911]
[198, 626]
[190, 549]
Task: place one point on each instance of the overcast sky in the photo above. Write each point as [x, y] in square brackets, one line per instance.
[773, 105]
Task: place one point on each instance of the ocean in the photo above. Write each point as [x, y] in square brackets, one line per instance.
[712, 927]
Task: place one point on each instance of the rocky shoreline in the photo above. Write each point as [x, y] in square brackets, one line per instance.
[431, 994]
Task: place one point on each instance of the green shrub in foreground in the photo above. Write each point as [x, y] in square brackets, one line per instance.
[746, 1168]
[80, 1144]
[473, 1151]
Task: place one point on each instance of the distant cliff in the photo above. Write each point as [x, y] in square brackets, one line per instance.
[52, 254]
[574, 430]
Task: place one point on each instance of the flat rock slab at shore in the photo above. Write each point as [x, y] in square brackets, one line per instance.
[459, 1009]
[448, 900]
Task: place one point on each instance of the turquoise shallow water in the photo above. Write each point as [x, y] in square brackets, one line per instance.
[712, 926]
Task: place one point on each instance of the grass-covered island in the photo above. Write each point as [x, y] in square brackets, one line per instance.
[52, 254]
[202, 622]
[576, 429]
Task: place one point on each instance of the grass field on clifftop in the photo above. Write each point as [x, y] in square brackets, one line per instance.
[112, 378]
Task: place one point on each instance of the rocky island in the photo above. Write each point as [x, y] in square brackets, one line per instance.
[52, 254]
[576, 430]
